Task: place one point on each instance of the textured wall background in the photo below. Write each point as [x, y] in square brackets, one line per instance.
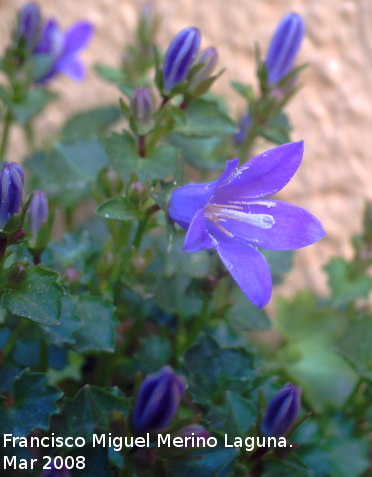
[332, 113]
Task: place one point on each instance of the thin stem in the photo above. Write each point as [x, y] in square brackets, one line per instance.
[143, 224]
[5, 136]
[142, 146]
[13, 338]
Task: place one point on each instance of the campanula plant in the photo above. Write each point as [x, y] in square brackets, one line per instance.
[122, 355]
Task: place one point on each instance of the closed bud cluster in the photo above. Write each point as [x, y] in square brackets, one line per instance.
[180, 56]
[284, 47]
[38, 212]
[282, 411]
[158, 400]
[207, 59]
[29, 25]
[11, 190]
[142, 108]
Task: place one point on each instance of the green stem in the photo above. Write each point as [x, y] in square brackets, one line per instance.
[5, 136]
[143, 224]
[43, 356]
[13, 338]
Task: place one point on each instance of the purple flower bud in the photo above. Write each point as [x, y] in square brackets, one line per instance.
[282, 411]
[244, 124]
[158, 400]
[180, 56]
[208, 58]
[191, 431]
[56, 472]
[142, 108]
[38, 212]
[11, 189]
[284, 47]
[29, 25]
[148, 23]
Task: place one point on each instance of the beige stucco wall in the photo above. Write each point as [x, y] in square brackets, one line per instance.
[332, 113]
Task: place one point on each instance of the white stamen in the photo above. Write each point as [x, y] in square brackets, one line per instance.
[217, 213]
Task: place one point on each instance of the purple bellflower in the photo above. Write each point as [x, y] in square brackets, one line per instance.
[244, 124]
[158, 400]
[284, 47]
[11, 190]
[282, 411]
[179, 57]
[29, 25]
[230, 215]
[38, 212]
[62, 50]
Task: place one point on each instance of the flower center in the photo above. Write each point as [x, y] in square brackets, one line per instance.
[218, 213]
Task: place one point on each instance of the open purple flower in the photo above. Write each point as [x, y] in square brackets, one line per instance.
[61, 50]
[230, 216]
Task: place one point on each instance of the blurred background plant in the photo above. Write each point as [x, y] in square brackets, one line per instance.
[85, 318]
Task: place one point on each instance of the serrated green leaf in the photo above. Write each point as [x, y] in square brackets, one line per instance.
[69, 323]
[89, 411]
[204, 118]
[37, 298]
[346, 283]
[241, 415]
[122, 150]
[99, 322]
[213, 370]
[90, 123]
[117, 208]
[35, 101]
[34, 404]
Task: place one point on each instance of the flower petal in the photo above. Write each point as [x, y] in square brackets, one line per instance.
[291, 227]
[263, 175]
[249, 269]
[197, 237]
[75, 69]
[77, 38]
[187, 200]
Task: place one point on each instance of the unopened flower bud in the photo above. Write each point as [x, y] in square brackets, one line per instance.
[180, 56]
[244, 124]
[208, 59]
[71, 275]
[191, 433]
[38, 212]
[282, 411]
[142, 108]
[148, 23]
[11, 190]
[29, 25]
[284, 47]
[158, 400]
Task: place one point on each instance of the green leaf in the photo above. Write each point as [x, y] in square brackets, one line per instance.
[38, 297]
[122, 150]
[214, 462]
[277, 130]
[98, 325]
[243, 89]
[241, 415]
[109, 73]
[70, 322]
[117, 208]
[213, 370]
[205, 118]
[246, 317]
[346, 283]
[90, 123]
[153, 353]
[34, 404]
[35, 101]
[89, 411]
[355, 344]
[309, 355]
[67, 172]
[280, 263]
[286, 468]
